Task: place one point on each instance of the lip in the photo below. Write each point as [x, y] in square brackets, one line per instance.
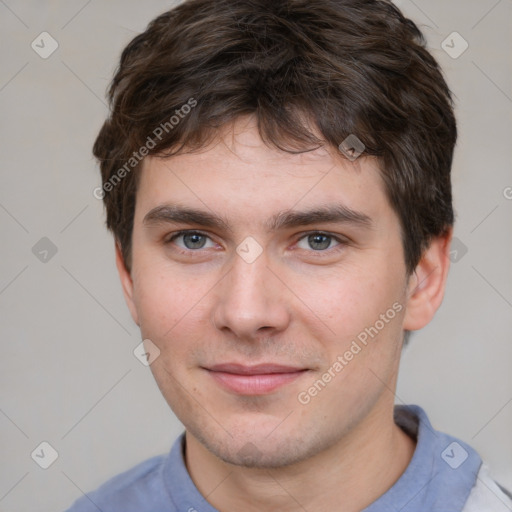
[258, 379]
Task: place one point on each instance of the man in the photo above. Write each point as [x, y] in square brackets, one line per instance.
[277, 179]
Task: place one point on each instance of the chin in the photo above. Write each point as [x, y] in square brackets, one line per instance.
[258, 451]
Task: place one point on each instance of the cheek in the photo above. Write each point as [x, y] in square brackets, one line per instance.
[346, 298]
[161, 301]
[362, 301]
[172, 307]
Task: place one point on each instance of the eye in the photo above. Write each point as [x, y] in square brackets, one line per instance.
[319, 241]
[190, 240]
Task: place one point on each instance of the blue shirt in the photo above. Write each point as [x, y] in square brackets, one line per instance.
[439, 477]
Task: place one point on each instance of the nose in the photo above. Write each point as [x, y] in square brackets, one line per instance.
[250, 300]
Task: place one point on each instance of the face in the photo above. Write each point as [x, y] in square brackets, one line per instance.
[274, 286]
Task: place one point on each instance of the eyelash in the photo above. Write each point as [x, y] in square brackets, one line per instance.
[341, 242]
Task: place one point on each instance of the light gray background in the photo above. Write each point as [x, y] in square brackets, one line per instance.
[68, 374]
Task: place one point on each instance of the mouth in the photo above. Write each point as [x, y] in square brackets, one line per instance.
[258, 379]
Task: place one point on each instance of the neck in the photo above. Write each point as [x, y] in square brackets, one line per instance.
[348, 476]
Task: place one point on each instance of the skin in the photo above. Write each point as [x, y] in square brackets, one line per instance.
[295, 304]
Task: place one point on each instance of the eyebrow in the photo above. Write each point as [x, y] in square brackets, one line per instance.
[340, 214]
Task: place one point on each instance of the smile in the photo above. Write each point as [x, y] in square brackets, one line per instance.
[254, 380]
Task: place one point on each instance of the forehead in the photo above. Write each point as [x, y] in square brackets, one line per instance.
[246, 178]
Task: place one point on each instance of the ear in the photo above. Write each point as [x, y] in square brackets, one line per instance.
[425, 290]
[126, 282]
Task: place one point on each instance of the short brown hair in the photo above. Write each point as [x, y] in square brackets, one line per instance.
[353, 67]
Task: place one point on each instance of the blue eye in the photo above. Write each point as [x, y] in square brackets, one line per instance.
[191, 240]
[319, 241]
[315, 242]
